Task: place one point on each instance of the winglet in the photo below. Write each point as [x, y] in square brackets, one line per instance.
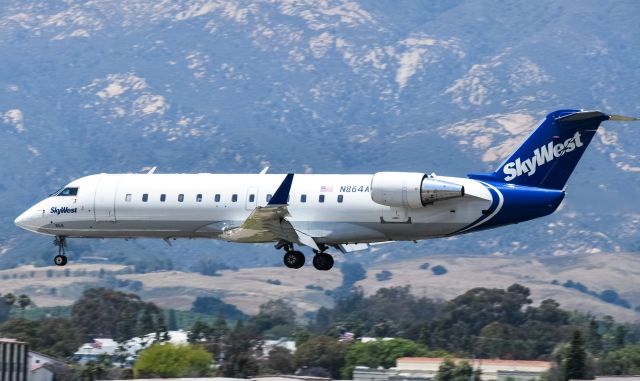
[282, 194]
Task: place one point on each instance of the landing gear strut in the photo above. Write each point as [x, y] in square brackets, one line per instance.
[60, 259]
[292, 259]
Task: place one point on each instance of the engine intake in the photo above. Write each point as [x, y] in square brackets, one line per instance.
[411, 190]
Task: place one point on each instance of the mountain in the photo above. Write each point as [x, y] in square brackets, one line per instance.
[315, 86]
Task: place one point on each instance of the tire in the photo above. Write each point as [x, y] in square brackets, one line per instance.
[293, 259]
[323, 262]
[60, 260]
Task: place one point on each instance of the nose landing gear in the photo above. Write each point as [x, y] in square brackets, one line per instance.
[60, 259]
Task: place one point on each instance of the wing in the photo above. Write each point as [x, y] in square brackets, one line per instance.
[269, 223]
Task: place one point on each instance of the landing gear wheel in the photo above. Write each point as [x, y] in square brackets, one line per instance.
[60, 260]
[323, 261]
[293, 259]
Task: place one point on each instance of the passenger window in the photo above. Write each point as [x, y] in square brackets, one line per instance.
[321, 198]
[68, 192]
[252, 197]
[180, 197]
[198, 197]
[145, 197]
[234, 198]
[127, 198]
[303, 198]
[340, 198]
[217, 198]
[163, 197]
[269, 197]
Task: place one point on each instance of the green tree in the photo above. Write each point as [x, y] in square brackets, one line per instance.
[623, 361]
[274, 313]
[6, 302]
[322, 352]
[104, 312]
[210, 305]
[171, 361]
[23, 301]
[173, 321]
[450, 371]
[199, 332]
[576, 359]
[379, 353]
[594, 338]
[280, 361]
[239, 350]
[54, 336]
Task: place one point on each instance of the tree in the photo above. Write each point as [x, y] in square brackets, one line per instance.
[450, 371]
[210, 305]
[53, 336]
[594, 338]
[623, 361]
[172, 361]
[104, 312]
[173, 321]
[378, 353]
[24, 301]
[322, 352]
[274, 313]
[6, 302]
[240, 347]
[280, 361]
[576, 359]
[199, 332]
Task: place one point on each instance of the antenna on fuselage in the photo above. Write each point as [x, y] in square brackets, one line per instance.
[152, 170]
[264, 170]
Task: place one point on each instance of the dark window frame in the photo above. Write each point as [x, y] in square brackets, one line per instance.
[321, 199]
[303, 198]
[163, 197]
[199, 197]
[340, 198]
[181, 197]
[216, 198]
[145, 197]
[234, 197]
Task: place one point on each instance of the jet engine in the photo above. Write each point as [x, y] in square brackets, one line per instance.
[411, 190]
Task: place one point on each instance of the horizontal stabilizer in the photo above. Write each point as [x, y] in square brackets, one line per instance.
[622, 118]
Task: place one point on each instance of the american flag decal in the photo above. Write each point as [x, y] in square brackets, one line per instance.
[326, 188]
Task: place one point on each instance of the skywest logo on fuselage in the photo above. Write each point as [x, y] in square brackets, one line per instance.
[541, 156]
[63, 210]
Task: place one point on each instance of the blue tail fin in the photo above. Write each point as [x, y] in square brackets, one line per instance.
[549, 155]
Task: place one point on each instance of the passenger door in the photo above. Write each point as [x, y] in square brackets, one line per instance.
[104, 207]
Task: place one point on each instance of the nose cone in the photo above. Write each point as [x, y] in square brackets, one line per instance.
[28, 220]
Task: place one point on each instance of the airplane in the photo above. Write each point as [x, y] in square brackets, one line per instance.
[321, 211]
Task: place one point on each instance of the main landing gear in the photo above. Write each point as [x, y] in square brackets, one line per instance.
[294, 259]
[322, 261]
[60, 259]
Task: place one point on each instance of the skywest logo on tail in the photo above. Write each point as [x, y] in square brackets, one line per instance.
[541, 156]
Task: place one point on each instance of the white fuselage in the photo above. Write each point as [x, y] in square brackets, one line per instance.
[113, 205]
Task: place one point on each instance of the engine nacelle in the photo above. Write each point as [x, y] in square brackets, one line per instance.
[411, 190]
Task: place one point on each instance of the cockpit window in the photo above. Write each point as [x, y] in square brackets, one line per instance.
[68, 192]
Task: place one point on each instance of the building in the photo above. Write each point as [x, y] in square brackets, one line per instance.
[13, 360]
[269, 345]
[425, 368]
[43, 367]
[126, 352]
[97, 349]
